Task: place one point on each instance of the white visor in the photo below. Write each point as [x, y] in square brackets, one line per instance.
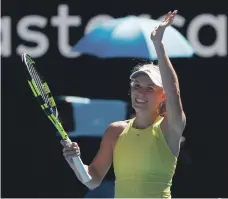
[152, 71]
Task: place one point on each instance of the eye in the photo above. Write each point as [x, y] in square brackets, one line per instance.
[150, 89]
[135, 85]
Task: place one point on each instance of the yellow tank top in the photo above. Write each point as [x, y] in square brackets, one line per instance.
[143, 163]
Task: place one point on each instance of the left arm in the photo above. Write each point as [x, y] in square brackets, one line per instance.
[176, 120]
[175, 117]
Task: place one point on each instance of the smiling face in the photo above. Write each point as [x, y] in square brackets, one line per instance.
[145, 95]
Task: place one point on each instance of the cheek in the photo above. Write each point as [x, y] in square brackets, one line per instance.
[151, 96]
[132, 95]
[153, 99]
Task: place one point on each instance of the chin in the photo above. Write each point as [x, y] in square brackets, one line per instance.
[139, 108]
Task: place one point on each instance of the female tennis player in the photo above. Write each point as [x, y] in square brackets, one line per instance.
[143, 150]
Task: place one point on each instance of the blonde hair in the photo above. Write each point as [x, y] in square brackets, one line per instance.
[162, 109]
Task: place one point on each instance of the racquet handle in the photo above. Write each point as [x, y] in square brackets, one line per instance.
[80, 166]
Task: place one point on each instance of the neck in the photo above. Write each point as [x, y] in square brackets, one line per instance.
[143, 120]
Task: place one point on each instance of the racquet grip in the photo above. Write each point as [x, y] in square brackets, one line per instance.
[80, 166]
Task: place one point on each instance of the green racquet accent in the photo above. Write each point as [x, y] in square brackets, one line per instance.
[47, 103]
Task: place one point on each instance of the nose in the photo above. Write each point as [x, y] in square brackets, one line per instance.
[142, 91]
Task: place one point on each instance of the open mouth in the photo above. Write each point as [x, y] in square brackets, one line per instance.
[140, 101]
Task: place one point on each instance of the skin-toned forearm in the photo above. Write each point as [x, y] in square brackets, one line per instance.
[175, 114]
[171, 87]
[169, 77]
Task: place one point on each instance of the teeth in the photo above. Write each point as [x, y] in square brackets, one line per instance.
[140, 101]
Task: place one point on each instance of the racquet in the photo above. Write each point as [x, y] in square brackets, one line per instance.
[43, 94]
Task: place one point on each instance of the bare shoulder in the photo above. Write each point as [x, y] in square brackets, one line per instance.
[119, 124]
[114, 130]
[117, 127]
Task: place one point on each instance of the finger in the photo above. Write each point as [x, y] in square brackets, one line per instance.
[74, 144]
[170, 18]
[70, 153]
[175, 12]
[74, 148]
[65, 144]
[70, 156]
[167, 15]
[67, 153]
[170, 14]
[67, 149]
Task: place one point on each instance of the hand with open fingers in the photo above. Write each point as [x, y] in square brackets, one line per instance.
[71, 151]
[157, 33]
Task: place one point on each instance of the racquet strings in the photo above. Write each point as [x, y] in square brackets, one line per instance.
[44, 90]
